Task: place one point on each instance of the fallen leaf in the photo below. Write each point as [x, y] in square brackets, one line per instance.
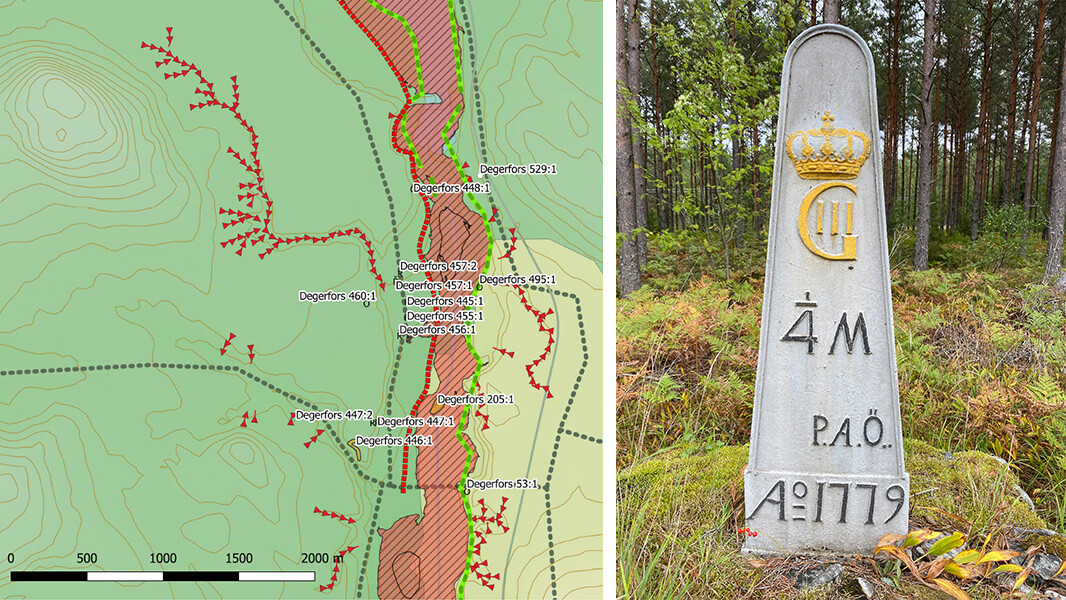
[951, 589]
[998, 555]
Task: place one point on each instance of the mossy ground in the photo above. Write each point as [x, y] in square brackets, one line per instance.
[679, 514]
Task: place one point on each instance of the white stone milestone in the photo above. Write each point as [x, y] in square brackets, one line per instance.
[825, 470]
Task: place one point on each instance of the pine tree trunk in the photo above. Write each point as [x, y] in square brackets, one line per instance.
[1036, 178]
[1057, 197]
[756, 203]
[639, 175]
[628, 264]
[1054, 130]
[916, 159]
[994, 146]
[959, 150]
[900, 200]
[1012, 107]
[892, 120]
[1038, 56]
[925, 143]
[945, 94]
[656, 102]
[831, 11]
[977, 214]
[756, 207]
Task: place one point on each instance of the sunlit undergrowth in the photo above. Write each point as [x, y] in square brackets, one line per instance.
[981, 357]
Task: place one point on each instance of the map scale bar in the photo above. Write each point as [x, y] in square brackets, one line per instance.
[162, 575]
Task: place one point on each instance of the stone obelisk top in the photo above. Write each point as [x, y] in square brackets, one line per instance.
[825, 471]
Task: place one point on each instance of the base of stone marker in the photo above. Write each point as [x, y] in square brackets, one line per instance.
[801, 513]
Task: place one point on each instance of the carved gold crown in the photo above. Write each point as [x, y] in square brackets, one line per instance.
[827, 162]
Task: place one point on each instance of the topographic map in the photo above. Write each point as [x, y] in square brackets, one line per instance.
[301, 299]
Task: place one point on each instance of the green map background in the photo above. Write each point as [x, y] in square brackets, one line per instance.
[540, 74]
[109, 234]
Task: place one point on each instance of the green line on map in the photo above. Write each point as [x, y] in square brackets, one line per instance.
[488, 256]
[414, 44]
[477, 289]
[421, 91]
[410, 143]
[466, 499]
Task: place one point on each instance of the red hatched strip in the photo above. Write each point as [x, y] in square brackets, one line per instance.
[425, 202]
[396, 121]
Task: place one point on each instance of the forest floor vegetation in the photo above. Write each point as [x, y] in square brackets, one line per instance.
[981, 354]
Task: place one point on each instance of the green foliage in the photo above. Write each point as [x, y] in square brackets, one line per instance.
[676, 259]
[695, 347]
[1005, 239]
[976, 374]
[950, 250]
[726, 65]
[642, 572]
[675, 522]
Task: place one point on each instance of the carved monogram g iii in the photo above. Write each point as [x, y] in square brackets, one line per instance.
[827, 163]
